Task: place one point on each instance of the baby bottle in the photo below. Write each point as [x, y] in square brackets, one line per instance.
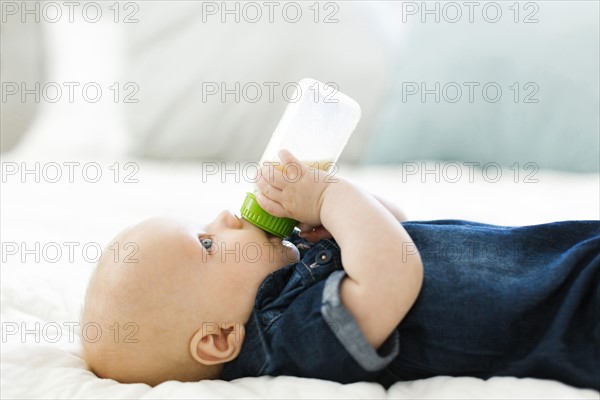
[315, 127]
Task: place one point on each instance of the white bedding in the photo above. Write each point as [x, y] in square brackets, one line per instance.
[51, 292]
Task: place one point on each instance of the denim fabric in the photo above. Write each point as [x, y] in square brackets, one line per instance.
[496, 301]
[299, 326]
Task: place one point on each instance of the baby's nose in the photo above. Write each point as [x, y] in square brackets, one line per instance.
[228, 219]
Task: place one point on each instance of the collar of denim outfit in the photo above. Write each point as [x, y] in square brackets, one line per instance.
[317, 261]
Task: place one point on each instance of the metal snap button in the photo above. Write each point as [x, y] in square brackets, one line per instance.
[323, 256]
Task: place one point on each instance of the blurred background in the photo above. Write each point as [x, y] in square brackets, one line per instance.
[500, 82]
[112, 112]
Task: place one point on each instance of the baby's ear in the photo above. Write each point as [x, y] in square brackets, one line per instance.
[216, 344]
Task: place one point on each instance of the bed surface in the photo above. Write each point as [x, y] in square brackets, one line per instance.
[50, 292]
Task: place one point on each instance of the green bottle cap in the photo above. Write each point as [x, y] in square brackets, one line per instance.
[255, 214]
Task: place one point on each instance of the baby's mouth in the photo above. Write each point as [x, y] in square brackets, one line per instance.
[273, 238]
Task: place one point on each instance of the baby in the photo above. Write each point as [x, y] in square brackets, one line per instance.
[384, 301]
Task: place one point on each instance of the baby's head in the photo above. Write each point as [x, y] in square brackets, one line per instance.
[171, 298]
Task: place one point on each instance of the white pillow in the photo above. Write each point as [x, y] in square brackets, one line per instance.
[22, 61]
[174, 56]
[554, 61]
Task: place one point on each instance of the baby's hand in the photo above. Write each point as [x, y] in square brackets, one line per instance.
[314, 234]
[292, 189]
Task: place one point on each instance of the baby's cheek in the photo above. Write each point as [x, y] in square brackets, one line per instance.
[293, 254]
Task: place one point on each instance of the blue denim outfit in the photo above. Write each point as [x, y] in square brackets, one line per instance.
[495, 301]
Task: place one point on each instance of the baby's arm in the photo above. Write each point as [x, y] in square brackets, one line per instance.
[384, 269]
[393, 208]
[314, 234]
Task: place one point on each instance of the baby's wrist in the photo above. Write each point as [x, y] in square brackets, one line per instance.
[332, 198]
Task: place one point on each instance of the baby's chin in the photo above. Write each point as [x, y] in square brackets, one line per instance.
[287, 251]
[292, 251]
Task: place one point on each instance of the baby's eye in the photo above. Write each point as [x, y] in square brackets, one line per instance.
[207, 243]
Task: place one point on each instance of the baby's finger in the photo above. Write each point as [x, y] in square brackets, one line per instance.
[271, 172]
[310, 236]
[305, 228]
[316, 234]
[286, 156]
[268, 190]
[322, 233]
[292, 167]
[270, 206]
